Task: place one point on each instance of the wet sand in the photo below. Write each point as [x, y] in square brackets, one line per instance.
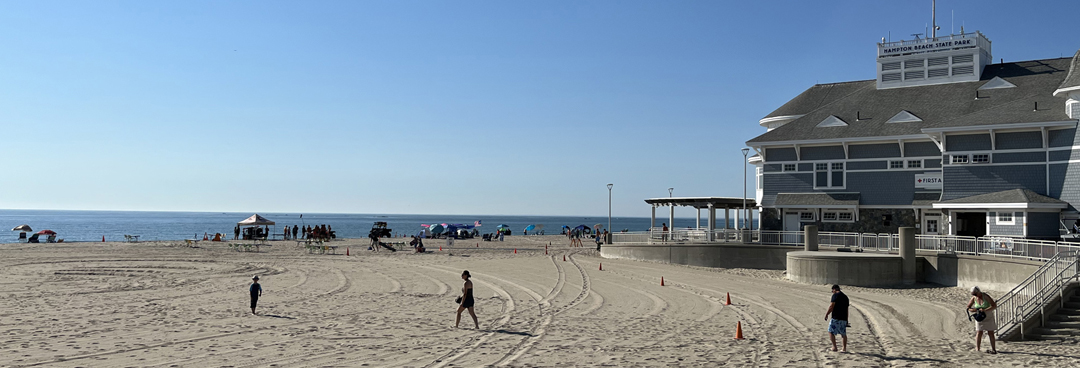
[162, 304]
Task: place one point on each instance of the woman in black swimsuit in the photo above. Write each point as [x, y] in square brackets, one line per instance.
[466, 300]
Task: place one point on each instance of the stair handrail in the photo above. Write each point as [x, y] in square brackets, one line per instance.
[1035, 293]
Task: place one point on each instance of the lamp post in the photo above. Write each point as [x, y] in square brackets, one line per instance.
[609, 206]
[745, 212]
[669, 190]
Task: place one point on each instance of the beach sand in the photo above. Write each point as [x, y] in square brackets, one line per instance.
[161, 304]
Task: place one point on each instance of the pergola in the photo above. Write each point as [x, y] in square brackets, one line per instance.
[699, 203]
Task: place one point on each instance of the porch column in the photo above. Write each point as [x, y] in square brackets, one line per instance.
[652, 222]
[727, 217]
[698, 224]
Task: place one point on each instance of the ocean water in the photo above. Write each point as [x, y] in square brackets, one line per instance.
[113, 225]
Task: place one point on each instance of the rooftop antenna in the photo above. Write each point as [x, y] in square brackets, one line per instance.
[916, 35]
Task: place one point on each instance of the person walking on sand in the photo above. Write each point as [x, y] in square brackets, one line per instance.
[256, 292]
[236, 232]
[296, 232]
[980, 302]
[465, 301]
[839, 310]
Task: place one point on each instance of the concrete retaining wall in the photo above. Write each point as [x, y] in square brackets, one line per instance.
[997, 274]
[988, 273]
[767, 257]
[857, 269]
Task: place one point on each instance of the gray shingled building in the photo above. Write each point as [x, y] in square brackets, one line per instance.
[943, 140]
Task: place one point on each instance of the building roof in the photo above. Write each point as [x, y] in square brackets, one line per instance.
[703, 202]
[844, 200]
[866, 108]
[925, 199]
[1072, 80]
[1013, 198]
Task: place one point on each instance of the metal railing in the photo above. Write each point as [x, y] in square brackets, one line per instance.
[989, 246]
[1036, 292]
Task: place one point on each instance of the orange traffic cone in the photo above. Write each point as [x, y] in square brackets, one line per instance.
[738, 331]
[601, 267]
[103, 238]
[661, 280]
[440, 248]
[515, 250]
[728, 302]
[478, 245]
[346, 251]
[563, 256]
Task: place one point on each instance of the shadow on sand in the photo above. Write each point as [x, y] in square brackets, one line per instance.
[277, 316]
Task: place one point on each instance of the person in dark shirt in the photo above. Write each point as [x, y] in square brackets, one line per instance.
[839, 310]
[256, 292]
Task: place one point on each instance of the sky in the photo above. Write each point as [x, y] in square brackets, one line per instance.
[431, 107]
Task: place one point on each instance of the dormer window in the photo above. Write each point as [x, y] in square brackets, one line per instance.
[997, 83]
[832, 121]
[903, 117]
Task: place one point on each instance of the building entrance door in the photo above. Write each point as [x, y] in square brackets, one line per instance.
[971, 224]
[791, 223]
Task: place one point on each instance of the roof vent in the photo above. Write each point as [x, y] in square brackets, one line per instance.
[831, 121]
[997, 83]
[903, 117]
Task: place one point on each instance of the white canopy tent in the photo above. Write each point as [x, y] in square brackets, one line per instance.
[255, 220]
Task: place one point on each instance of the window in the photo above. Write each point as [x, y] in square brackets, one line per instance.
[838, 216]
[789, 167]
[806, 216]
[980, 159]
[959, 159]
[896, 164]
[837, 174]
[829, 175]
[914, 164]
[1005, 218]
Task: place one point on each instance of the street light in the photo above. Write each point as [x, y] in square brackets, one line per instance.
[745, 212]
[609, 206]
[669, 192]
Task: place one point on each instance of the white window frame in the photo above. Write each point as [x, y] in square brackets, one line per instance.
[914, 164]
[1000, 220]
[959, 159]
[830, 168]
[896, 164]
[803, 216]
[986, 155]
[794, 167]
[836, 216]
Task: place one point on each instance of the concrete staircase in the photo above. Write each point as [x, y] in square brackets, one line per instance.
[1064, 324]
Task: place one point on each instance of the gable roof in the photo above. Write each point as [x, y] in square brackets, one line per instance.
[866, 108]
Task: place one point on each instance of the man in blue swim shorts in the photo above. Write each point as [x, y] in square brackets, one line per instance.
[839, 310]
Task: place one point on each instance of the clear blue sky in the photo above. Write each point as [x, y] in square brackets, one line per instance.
[442, 107]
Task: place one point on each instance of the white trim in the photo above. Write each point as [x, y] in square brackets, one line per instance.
[767, 121]
[995, 164]
[999, 126]
[858, 159]
[1066, 90]
[1001, 205]
[885, 139]
[999, 221]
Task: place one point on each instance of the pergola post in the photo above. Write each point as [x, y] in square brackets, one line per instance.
[712, 222]
[698, 225]
[652, 222]
[727, 217]
[671, 221]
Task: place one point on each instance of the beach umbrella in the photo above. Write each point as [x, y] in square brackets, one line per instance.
[530, 228]
[24, 228]
[46, 232]
[436, 229]
[504, 225]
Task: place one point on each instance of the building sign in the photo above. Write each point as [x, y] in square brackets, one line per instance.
[924, 47]
[928, 181]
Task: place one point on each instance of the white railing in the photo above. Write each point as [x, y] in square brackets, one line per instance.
[1032, 295]
[989, 246]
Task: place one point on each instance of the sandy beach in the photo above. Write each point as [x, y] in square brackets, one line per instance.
[163, 304]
